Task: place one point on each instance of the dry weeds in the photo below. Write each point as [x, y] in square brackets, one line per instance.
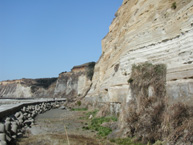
[149, 118]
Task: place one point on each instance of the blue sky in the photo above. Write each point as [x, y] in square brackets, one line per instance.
[41, 38]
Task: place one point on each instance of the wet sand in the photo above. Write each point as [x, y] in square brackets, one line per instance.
[60, 127]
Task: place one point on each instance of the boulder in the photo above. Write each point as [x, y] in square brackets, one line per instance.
[3, 143]
[14, 127]
[2, 136]
[2, 128]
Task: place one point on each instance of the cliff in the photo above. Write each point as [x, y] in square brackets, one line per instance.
[151, 31]
[144, 75]
[145, 72]
[28, 88]
[73, 84]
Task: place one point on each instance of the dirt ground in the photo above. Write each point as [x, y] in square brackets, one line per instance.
[60, 127]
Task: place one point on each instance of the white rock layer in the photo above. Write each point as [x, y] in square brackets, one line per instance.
[146, 30]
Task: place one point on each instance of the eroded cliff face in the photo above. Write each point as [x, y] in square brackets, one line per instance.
[146, 31]
[148, 37]
[75, 83]
[68, 85]
[28, 88]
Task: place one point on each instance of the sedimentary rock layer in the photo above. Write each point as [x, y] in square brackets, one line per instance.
[28, 88]
[146, 31]
[74, 83]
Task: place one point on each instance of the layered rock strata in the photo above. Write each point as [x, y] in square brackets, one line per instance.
[28, 88]
[146, 31]
[68, 84]
[75, 83]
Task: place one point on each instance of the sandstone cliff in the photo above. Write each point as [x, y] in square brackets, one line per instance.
[148, 37]
[74, 83]
[28, 88]
[146, 31]
[150, 33]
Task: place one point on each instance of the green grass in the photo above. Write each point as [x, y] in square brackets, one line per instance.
[125, 141]
[79, 109]
[87, 115]
[95, 125]
[93, 113]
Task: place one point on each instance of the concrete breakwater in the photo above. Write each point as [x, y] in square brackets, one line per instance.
[16, 118]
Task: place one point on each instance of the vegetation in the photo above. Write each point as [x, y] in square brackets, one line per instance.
[78, 103]
[174, 6]
[79, 109]
[90, 70]
[116, 68]
[145, 75]
[125, 141]
[130, 80]
[178, 123]
[144, 112]
[96, 123]
[151, 119]
[44, 82]
[93, 113]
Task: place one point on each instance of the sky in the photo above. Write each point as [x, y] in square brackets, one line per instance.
[42, 38]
